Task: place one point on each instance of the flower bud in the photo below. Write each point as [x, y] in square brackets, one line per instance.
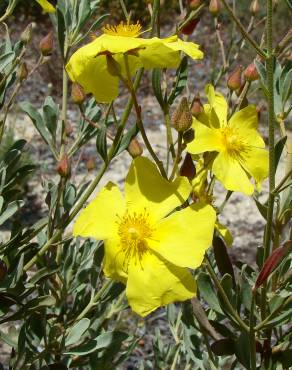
[188, 168]
[182, 118]
[254, 7]
[197, 106]
[190, 27]
[3, 270]
[234, 79]
[26, 35]
[64, 166]
[251, 73]
[194, 4]
[215, 7]
[22, 72]
[77, 93]
[46, 44]
[188, 136]
[90, 164]
[134, 148]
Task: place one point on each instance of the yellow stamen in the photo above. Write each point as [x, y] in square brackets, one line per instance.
[134, 230]
[233, 142]
[123, 29]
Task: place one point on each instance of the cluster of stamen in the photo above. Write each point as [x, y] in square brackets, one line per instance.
[134, 229]
[123, 29]
[233, 142]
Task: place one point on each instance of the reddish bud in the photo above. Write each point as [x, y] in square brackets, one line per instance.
[254, 7]
[182, 118]
[22, 72]
[197, 107]
[234, 79]
[215, 7]
[90, 164]
[190, 27]
[272, 262]
[134, 148]
[3, 270]
[188, 168]
[46, 44]
[251, 73]
[194, 4]
[64, 166]
[77, 93]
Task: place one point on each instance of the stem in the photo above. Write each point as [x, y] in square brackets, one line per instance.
[272, 169]
[242, 30]
[64, 112]
[229, 306]
[220, 41]
[155, 18]
[178, 156]
[252, 341]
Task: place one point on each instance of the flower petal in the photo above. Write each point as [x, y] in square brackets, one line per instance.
[206, 139]
[225, 233]
[231, 174]
[246, 118]
[114, 265]
[183, 237]
[157, 283]
[189, 48]
[47, 7]
[145, 187]
[218, 103]
[98, 219]
[256, 163]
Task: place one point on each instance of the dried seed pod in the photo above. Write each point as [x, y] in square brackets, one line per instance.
[188, 168]
[182, 118]
[197, 107]
[64, 166]
[134, 148]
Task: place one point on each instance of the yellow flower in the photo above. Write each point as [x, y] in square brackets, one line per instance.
[241, 149]
[149, 247]
[89, 65]
[47, 7]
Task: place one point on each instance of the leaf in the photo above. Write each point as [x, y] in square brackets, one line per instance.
[84, 12]
[76, 331]
[5, 60]
[103, 341]
[50, 116]
[61, 29]
[222, 258]
[11, 209]
[40, 302]
[242, 350]
[156, 84]
[207, 292]
[133, 131]
[223, 347]
[279, 149]
[181, 80]
[101, 144]
[263, 209]
[69, 197]
[203, 319]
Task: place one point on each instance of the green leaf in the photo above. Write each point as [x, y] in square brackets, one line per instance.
[207, 292]
[242, 350]
[103, 341]
[5, 60]
[156, 84]
[40, 302]
[84, 12]
[181, 80]
[263, 209]
[133, 131]
[11, 209]
[69, 196]
[279, 149]
[101, 143]
[222, 258]
[223, 347]
[76, 331]
[50, 116]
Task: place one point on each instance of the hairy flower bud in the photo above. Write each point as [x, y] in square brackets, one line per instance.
[3, 270]
[194, 4]
[188, 168]
[46, 44]
[134, 148]
[251, 73]
[215, 7]
[22, 72]
[26, 35]
[182, 118]
[64, 166]
[77, 93]
[254, 7]
[190, 27]
[234, 79]
[197, 106]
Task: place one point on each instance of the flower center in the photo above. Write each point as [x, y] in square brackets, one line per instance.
[123, 29]
[232, 142]
[134, 229]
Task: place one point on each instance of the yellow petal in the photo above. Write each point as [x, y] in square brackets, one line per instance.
[206, 139]
[231, 174]
[225, 233]
[47, 7]
[98, 219]
[91, 72]
[189, 48]
[183, 237]
[218, 103]
[256, 163]
[114, 263]
[246, 118]
[157, 283]
[145, 187]
[199, 181]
